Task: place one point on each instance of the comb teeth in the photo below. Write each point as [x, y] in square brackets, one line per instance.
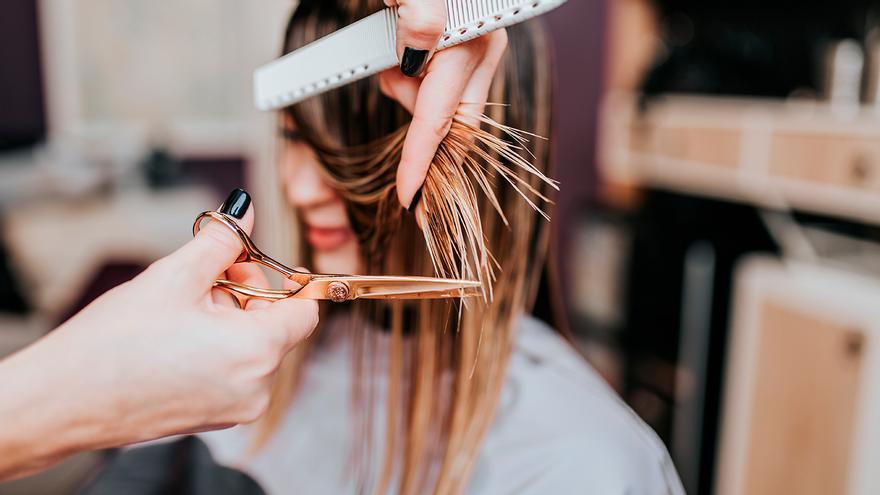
[469, 19]
[369, 46]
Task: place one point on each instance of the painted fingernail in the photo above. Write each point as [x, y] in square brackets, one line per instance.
[415, 201]
[413, 61]
[236, 205]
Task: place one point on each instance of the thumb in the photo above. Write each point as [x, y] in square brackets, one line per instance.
[215, 248]
[420, 23]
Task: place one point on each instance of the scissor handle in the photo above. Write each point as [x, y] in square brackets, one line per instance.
[250, 252]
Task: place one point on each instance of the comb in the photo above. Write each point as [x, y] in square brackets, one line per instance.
[369, 46]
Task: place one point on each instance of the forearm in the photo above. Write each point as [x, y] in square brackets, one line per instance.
[41, 419]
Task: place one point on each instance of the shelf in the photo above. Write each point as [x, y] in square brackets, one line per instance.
[775, 154]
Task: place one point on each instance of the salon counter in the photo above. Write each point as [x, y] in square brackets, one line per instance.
[57, 246]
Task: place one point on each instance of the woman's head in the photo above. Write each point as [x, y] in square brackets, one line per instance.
[356, 115]
[337, 168]
[328, 131]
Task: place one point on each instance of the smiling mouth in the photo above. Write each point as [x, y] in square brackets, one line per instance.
[327, 238]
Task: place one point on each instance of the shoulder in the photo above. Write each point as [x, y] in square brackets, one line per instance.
[578, 431]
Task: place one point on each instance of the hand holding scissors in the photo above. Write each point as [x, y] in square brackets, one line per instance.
[158, 355]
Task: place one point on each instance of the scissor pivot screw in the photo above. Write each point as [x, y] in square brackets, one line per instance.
[337, 291]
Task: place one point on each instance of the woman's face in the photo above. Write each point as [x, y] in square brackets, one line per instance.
[325, 223]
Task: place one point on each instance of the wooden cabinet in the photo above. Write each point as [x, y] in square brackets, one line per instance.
[800, 411]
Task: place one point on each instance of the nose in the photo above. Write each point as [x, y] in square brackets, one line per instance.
[305, 185]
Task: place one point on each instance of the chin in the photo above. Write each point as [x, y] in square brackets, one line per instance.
[343, 260]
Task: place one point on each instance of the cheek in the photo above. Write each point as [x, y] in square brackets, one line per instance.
[303, 180]
[307, 190]
[286, 164]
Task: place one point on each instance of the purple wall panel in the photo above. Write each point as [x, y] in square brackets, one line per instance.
[22, 120]
[578, 30]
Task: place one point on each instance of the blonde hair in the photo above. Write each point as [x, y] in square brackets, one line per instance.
[447, 363]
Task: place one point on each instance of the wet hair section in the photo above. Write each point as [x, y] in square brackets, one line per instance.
[471, 163]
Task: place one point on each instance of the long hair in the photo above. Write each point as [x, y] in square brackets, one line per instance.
[447, 360]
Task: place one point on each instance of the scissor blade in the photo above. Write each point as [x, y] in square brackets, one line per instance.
[422, 290]
[386, 287]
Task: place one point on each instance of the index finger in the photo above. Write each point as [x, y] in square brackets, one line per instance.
[436, 104]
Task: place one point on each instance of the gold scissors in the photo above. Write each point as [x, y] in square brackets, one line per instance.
[336, 288]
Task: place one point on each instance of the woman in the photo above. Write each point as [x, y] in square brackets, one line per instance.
[429, 396]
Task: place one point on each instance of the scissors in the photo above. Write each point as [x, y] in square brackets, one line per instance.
[336, 288]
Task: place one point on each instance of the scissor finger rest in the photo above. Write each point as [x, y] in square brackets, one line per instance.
[243, 293]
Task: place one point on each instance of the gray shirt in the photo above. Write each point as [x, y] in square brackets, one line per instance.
[559, 429]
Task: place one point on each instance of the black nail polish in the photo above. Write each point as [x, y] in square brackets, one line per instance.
[413, 61]
[236, 205]
[415, 200]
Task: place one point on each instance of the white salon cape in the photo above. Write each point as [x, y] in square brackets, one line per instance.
[560, 429]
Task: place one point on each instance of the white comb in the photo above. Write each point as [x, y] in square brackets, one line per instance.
[369, 46]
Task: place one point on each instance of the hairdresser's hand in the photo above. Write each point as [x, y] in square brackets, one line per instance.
[434, 86]
[160, 355]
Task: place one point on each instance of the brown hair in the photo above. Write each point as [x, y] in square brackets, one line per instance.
[447, 364]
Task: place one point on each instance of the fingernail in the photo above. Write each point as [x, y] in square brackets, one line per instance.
[236, 205]
[413, 61]
[415, 201]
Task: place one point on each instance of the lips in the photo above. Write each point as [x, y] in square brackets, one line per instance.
[327, 239]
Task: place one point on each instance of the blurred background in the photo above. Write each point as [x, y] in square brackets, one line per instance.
[716, 238]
